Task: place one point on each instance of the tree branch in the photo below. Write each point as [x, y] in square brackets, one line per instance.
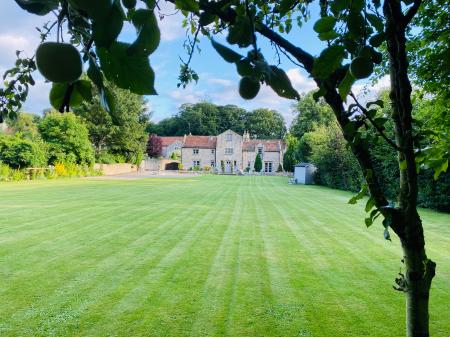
[412, 12]
[229, 15]
[379, 130]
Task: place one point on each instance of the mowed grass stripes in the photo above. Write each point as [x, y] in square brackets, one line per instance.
[207, 256]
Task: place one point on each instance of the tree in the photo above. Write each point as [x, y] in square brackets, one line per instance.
[258, 163]
[67, 138]
[25, 123]
[154, 146]
[429, 50]
[354, 31]
[265, 124]
[121, 132]
[336, 166]
[290, 156]
[310, 114]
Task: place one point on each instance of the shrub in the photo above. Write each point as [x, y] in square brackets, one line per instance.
[180, 166]
[106, 158]
[280, 168]
[258, 163]
[5, 172]
[207, 168]
[67, 137]
[17, 152]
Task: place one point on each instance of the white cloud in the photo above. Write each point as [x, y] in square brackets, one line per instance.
[187, 95]
[369, 90]
[170, 22]
[300, 82]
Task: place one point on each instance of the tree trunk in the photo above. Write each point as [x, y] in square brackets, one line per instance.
[418, 276]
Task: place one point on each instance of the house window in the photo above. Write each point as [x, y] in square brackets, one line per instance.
[195, 151]
[228, 150]
[177, 148]
[235, 164]
[196, 163]
[249, 164]
[268, 166]
[229, 137]
[260, 151]
[213, 163]
[213, 151]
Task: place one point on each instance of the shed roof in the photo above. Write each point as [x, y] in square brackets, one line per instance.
[303, 164]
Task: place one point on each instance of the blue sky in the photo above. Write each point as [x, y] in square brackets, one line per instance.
[218, 79]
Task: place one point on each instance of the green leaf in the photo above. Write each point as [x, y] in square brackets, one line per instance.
[244, 68]
[324, 24]
[95, 74]
[376, 22]
[328, 61]
[149, 36]
[370, 203]
[403, 165]
[441, 167]
[346, 85]
[81, 90]
[206, 18]
[240, 32]
[378, 102]
[380, 121]
[355, 24]
[97, 10]
[127, 71]
[39, 7]
[386, 234]
[187, 5]
[350, 129]
[330, 35]
[106, 29]
[376, 40]
[359, 196]
[319, 93]
[285, 6]
[227, 54]
[280, 83]
[339, 5]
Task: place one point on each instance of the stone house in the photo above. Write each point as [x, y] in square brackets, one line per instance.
[228, 151]
[171, 145]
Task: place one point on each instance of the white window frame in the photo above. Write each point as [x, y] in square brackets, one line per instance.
[229, 137]
[260, 151]
[268, 166]
[195, 151]
[213, 163]
[213, 151]
[196, 163]
[229, 150]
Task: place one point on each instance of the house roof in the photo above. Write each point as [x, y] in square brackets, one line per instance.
[166, 141]
[203, 142]
[270, 145]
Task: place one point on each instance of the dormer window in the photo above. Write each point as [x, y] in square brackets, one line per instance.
[260, 151]
[229, 137]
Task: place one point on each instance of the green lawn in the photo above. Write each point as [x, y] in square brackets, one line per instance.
[207, 256]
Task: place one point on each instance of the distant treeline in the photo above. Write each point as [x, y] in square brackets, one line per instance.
[210, 119]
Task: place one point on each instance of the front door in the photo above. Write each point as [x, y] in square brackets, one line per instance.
[228, 166]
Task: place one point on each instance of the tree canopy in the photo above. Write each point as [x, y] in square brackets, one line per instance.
[209, 119]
